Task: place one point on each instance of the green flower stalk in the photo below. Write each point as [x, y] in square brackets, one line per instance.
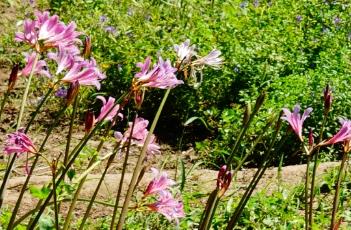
[12, 159]
[138, 167]
[328, 97]
[124, 168]
[347, 149]
[36, 159]
[75, 152]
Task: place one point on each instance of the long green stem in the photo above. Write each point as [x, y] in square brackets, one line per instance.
[268, 157]
[307, 182]
[92, 199]
[314, 172]
[75, 153]
[70, 130]
[19, 120]
[3, 102]
[138, 166]
[258, 139]
[259, 103]
[6, 176]
[337, 190]
[125, 163]
[25, 95]
[24, 187]
[211, 205]
[56, 209]
[42, 102]
[82, 180]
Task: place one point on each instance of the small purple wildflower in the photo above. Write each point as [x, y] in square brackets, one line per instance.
[110, 29]
[298, 18]
[337, 21]
[256, 3]
[103, 18]
[243, 4]
[61, 92]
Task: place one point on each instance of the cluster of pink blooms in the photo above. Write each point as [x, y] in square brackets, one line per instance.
[166, 204]
[48, 32]
[138, 137]
[19, 143]
[161, 75]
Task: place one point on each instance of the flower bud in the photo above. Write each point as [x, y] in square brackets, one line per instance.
[139, 97]
[247, 113]
[347, 146]
[327, 98]
[72, 92]
[260, 100]
[89, 121]
[13, 77]
[224, 179]
[87, 47]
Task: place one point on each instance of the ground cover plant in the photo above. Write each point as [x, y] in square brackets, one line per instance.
[63, 64]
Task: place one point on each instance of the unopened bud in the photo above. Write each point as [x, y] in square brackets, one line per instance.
[87, 47]
[89, 121]
[247, 113]
[327, 98]
[347, 146]
[224, 179]
[139, 98]
[13, 77]
[72, 92]
[260, 100]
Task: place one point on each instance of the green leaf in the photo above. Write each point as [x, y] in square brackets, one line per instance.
[71, 173]
[192, 119]
[40, 193]
[46, 223]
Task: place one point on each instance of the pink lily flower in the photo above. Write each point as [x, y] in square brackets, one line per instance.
[152, 148]
[18, 143]
[139, 131]
[295, 120]
[184, 51]
[40, 68]
[139, 135]
[161, 76]
[49, 30]
[84, 75]
[29, 35]
[159, 183]
[168, 206]
[64, 58]
[343, 135]
[212, 59]
[107, 106]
